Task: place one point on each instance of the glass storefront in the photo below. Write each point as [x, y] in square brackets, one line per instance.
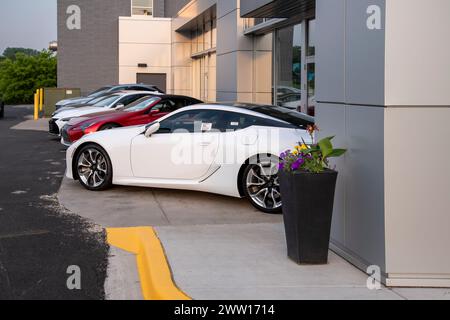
[294, 69]
[204, 39]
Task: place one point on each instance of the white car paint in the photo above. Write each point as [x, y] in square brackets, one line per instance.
[61, 118]
[148, 162]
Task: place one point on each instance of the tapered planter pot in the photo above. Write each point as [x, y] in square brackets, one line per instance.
[308, 200]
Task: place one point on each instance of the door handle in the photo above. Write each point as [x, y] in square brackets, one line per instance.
[205, 144]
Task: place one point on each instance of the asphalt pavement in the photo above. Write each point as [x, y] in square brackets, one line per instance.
[39, 239]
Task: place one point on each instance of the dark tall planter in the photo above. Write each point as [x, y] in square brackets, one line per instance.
[308, 200]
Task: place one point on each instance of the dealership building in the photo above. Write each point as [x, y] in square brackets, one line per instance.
[375, 73]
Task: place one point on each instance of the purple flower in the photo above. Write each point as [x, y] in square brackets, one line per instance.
[281, 166]
[297, 164]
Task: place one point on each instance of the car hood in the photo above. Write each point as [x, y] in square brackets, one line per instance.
[79, 112]
[97, 117]
[109, 137]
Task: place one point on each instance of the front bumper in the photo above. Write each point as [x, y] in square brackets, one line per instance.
[65, 138]
[53, 127]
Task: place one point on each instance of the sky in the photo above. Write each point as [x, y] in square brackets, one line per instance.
[27, 23]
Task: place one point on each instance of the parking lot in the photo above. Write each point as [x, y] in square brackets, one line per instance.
[39, 239]
[217, 247]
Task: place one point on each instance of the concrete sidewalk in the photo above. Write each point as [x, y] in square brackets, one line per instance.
[249, 261]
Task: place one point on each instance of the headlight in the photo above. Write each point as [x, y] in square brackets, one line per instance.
[87, 125]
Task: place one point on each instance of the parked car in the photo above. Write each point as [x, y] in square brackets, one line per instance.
[106, 91]
[189, 149]
[142, 111]
[110, 103]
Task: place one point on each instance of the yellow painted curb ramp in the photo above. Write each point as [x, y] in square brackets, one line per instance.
[154, 272]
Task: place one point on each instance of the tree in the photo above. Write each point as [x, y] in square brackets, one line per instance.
[21, 76]
[11, 52]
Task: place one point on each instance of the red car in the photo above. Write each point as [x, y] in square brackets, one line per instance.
[143, 111]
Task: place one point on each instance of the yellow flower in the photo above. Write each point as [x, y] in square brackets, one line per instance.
[303, 147]
[295, 153]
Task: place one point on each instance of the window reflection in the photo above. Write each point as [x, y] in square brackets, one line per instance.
[289, 65]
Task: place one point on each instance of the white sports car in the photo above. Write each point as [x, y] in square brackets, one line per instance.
[230, 149]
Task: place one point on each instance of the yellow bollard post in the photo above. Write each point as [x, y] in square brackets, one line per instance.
[36, 106]
[41, 99]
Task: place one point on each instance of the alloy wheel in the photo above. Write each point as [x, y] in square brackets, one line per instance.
[92, 168]
[263, 185]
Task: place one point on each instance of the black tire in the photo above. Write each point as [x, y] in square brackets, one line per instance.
[109, 126]
[93, 168]
[268, 181]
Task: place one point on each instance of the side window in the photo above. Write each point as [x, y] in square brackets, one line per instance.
[193, 121]
[180, 103]
[165, 106]
[233, 121]
[128, 99]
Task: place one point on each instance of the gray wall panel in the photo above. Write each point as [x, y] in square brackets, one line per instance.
[365, 55]
[365, 228]
[358, 218]
[158, 8]
[171, 7]
[330, 51]
[332, 122]
[88, 58]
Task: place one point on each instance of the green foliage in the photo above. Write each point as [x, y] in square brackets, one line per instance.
[10, 53]
[313, 158]
[21, 76]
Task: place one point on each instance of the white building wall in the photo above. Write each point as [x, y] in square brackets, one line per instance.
[145, 40]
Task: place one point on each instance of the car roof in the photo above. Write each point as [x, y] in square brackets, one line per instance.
[129, 92]
[262, 109]
[258, 110]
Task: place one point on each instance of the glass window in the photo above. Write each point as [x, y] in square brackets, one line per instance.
[142, 7]
[106, 102]
[128, 99]
[289, 66]
[165, 106]
[141, 104]
[192, 121]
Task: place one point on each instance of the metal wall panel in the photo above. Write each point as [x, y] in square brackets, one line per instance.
[365, 54]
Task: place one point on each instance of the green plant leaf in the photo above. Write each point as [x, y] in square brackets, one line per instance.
[337, 153]
[326, 147]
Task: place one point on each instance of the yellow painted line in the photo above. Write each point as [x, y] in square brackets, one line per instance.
[154, 271]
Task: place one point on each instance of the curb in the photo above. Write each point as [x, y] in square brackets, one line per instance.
[154, 271]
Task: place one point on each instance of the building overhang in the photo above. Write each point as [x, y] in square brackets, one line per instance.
[277, 8]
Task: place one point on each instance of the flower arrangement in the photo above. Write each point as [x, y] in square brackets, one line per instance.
[312, 158]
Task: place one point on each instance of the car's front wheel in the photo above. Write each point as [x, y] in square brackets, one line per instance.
[261, 185]
[94, 168]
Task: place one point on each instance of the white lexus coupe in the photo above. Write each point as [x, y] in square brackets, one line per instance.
[231, 150]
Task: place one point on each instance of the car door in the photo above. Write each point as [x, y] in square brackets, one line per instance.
[184, 148]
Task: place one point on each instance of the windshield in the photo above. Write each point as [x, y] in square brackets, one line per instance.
[141, 104]
[97, 100]
[106, 101]
[98, 92]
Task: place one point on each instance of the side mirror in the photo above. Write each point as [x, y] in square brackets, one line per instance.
[153, 112]
[120, 106]
[152, 129]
